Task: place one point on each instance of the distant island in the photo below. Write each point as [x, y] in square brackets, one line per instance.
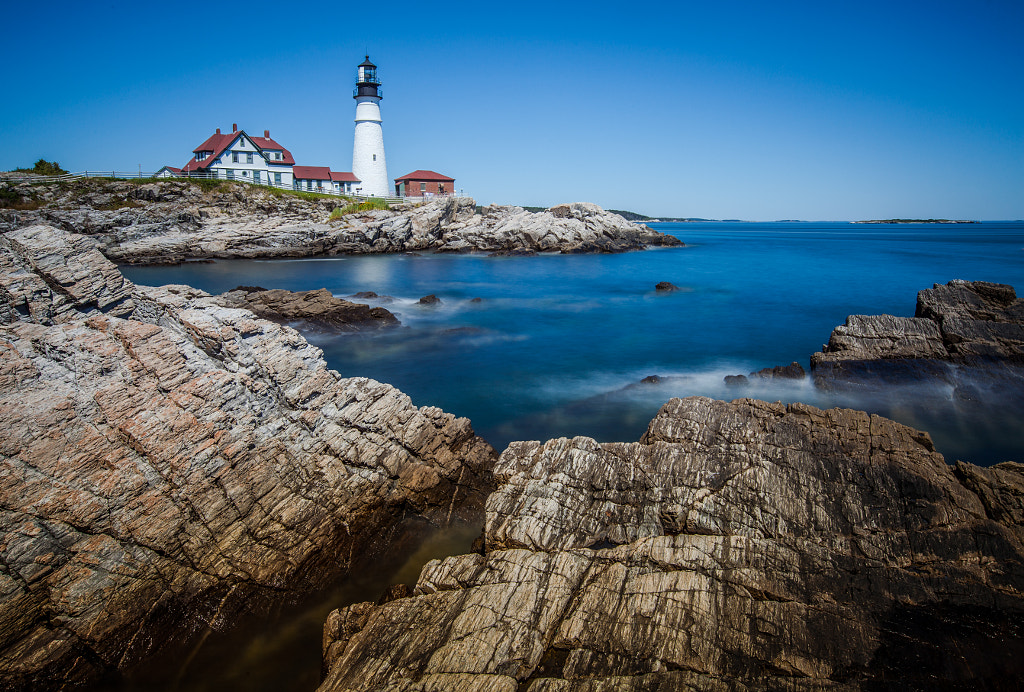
[915, 221]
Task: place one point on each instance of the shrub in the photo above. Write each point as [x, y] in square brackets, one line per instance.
[44, 167]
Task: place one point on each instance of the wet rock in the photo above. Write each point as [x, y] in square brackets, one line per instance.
[318, 310]
[737, 545]
[429, 300]
[170, 463]
[977, 325]
[793, 371]
[665, 287]
[651, 379]
[736, 380]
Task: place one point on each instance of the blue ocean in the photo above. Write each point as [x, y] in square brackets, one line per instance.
[557, 345]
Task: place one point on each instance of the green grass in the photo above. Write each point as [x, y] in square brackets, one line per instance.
[355, 207]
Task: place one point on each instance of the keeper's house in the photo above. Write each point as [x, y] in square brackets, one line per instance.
[424, 184]
[239, 156]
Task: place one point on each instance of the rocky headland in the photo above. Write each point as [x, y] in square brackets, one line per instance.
[170, 463]
[176, 220]
[740, 545]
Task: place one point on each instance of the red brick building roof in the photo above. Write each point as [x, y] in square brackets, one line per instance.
[425, 175]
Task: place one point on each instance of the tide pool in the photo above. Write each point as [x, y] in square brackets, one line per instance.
[558, 344]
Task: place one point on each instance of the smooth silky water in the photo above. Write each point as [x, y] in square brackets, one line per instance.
[557, 344]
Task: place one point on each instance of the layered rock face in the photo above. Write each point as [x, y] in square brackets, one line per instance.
[739, 545]
[962, 323]
[314, 310]
[169, 221]
[169, 463]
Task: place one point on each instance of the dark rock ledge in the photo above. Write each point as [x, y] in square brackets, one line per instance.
[316, 310]
[169, 463]
[963, 323]
[739, 545]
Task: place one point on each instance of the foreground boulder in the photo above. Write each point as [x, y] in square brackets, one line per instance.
[169, 463]
[741, 545]
[174, 220]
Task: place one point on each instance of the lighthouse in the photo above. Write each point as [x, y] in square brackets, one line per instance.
[368, 163]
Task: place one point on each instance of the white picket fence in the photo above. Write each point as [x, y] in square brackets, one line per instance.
[207, 176]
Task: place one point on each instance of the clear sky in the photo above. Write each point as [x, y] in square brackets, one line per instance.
[748, 110]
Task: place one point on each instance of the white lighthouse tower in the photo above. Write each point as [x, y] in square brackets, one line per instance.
[368, 163]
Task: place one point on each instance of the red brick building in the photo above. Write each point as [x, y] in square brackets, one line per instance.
[424, 184]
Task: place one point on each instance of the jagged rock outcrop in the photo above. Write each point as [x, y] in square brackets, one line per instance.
[968, 335]
[169, 221]
[741, 545]
[169, 463]
[315, 310]
[962, 322]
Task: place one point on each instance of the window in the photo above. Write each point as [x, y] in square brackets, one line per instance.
[277, 179]
[374, 157]
[309, 184]
[248, 157]
[234, 157]
[277, 156]
[231, 174]
[256, 178]
[423, 187]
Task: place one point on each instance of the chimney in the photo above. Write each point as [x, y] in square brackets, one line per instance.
[218, 130]
[234, 127]
[266, 133]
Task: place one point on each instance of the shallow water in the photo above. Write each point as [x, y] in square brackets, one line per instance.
[555, 339]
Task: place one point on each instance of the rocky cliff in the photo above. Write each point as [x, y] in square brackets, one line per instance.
[739, 545]
[169, 463]
[169, 221]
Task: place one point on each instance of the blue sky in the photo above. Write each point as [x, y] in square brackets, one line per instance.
[759, 111]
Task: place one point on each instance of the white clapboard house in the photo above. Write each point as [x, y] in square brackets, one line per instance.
[240, 156]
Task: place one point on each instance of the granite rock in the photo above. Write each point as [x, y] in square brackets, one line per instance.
[170, 463]
[170, 221]
[741, 545]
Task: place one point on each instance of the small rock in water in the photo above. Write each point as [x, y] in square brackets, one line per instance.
[666, 287]
[429, 300]
[736, 380]
[476, 300]
[651, 379]
[793, 371]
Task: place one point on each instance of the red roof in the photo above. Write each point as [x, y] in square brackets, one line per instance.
[311, 173]
[344, 177]
[218, 142]
[426, 175]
